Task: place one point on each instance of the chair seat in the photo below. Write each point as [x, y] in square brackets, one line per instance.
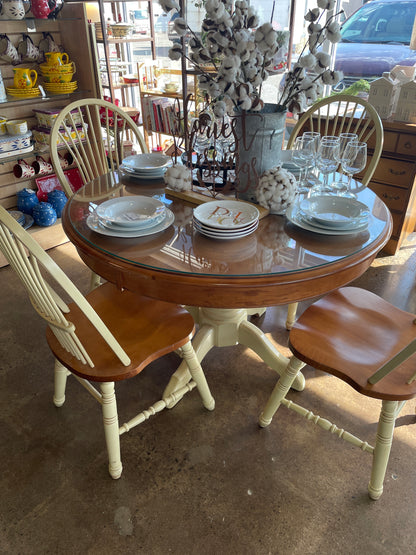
[350, 333]
[145, 328]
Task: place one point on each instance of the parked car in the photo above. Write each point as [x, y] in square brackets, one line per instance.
[374, 39]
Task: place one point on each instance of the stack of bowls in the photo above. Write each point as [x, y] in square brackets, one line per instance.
[57, 73]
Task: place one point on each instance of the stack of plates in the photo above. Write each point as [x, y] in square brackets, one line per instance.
[25, 220]
[23, 93]
[226, 219]
[61, 88]
[330, 215]
[146, 166]
[136, 216]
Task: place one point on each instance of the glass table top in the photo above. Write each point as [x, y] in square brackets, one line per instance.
[276, 247]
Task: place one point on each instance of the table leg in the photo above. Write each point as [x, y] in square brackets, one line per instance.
[223, 327]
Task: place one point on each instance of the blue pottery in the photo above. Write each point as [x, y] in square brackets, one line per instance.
[58, 200]
[44, 214]
[26, 201]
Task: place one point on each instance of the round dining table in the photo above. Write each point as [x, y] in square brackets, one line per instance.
[221, 282]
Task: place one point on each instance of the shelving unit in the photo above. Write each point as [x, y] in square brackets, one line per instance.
[71, 22]
[114, 69]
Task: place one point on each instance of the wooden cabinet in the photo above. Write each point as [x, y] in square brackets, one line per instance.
[394, 180]
[71, 31]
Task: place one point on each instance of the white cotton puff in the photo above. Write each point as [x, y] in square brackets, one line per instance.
[276, 190]
[178, 178]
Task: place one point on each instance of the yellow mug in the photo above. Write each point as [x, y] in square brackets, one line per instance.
[24, 78]
[56, 58]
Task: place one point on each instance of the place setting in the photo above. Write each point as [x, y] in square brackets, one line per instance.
[135, 216]
[225, 219]
[330, 215]
[147, 166]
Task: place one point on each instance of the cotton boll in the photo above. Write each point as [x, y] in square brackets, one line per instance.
[312, 15]
[168, 5]
[175, 53]
[276, 190]
[307, 61]
[178, 177]
[323, 59]
[180, 26]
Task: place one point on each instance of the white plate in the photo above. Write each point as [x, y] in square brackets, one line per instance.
[225, 237]
[227, 231]
[334, 211]
[94, 224]
[158, 171]
[147, 161]
[351, 224]
[142, 225]
[226, 214]
[294, 216]
[130, 212]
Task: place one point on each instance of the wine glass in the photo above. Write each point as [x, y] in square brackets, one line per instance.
[302, 156]
[344, 138]
[315, 137]
[354, 160]
[327, 161]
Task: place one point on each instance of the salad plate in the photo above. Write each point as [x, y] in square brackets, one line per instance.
[294, 215]
[226, 214]
[147, 161]
[131, 212]
[93, 222]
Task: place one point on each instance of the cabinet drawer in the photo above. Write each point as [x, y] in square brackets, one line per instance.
[393, 197]
[406, 144]
[396, 172]
[389, 144]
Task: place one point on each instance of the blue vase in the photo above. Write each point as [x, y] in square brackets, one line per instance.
[26, 201]
[58, 200]
[44, 214]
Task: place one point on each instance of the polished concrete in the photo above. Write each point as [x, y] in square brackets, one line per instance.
[196, 482]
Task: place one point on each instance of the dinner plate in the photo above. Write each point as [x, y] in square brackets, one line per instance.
[227, 231]
[226, 214]
[294, 216]
[226, 237]
[147, 161]
[351, 224]
[94, 224]
[130, 212]
[334, 211]
[145, 173]
[142, 225]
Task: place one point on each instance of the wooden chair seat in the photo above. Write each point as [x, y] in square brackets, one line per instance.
[368, 343]
[350, 334]
[146, 328]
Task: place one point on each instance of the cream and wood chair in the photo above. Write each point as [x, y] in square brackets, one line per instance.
[102, 148]
[87, 129]
[368, 343]
[337, 114]
[79, 336]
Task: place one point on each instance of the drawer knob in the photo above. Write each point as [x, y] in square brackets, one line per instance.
[390, 197]
[397, 172]
[408, 144]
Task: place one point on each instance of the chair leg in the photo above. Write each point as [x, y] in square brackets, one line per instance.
[111, 429]
[280, 390]
[291, 315]
[61, 374]
[382, 448]
[198, 375]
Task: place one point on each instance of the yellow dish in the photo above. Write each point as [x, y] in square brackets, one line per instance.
[24, 93]
[64, 68]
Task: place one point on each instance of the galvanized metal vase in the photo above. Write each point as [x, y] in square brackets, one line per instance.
[259, 139]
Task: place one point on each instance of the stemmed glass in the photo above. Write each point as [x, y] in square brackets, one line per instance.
[327, 161]
[344, 138]
[315, 137]
[354, 160]
[302, 157]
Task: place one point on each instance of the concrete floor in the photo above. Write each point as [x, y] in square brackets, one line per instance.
[196, 482]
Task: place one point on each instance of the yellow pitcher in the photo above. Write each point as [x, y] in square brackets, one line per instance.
[56, 58]
[24, 78]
